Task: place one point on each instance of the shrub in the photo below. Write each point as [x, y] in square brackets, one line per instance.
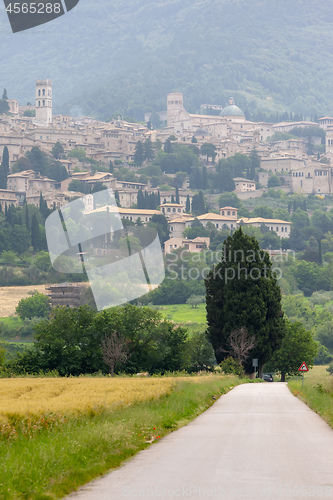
[231, 366]
[330, 368]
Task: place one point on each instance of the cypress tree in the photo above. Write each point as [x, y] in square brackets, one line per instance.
[3, 177]
[177, 194]
[34, 233]
[242, 291]
[26, 216]
[138, 154]
[4, 95]
[148, 152]
[141, 199]
[204, 182]
[172, 199]
[188, 204]
[5, 158]
[146, 201]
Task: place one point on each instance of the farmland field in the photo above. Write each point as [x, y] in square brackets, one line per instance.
[22, 396]
[10, 296]
[66, 432]
[184, 313]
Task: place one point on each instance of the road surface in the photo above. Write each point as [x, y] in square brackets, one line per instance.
[258, 441]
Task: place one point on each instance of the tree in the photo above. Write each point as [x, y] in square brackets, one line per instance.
[168, 146]
[255, 164]
[148, 152]
[138, 154]
[38, 159]
[240, 344]
[242, 291]
[209, 150]
[188, 204]
[4, 95]
[111, 167]
[297, 346]
[195, 300]
[273, 181]
[230, 200]
[114, 350]
[5, 158]
[34, 233]
[198, 204]
[79, 153]
[58, 150]
[4, 106]
[36, 306]
[3, 177]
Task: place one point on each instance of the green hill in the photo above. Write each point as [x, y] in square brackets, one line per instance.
[125, 56]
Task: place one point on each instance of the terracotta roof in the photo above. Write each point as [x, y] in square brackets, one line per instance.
[211, 216]
[263, 221]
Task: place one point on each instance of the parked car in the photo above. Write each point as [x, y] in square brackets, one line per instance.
[268, 377]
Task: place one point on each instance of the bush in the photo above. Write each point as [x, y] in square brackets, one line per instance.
[232, 367]
[330, 368]
[323, 356]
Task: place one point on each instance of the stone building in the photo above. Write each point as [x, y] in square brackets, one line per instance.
[65, 295]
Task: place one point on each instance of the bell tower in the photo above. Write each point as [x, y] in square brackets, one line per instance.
[44, 101]
[174, 105]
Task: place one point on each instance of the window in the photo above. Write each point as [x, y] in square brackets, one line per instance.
[217, 226]
[43, 102]
[277, 229]
[233, 213]
[228, 213]
[171, 228]
[285, 229]
[39, 92]
[43, 91]
[282, 229]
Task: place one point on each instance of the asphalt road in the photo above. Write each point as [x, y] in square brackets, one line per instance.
[258, 441]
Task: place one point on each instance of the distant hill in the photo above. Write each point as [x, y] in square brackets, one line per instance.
[124, 56]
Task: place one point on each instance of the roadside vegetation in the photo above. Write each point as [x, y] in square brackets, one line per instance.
[317, 391]
[49, 454]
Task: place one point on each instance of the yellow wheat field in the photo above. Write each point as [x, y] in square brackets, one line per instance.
[25, 396]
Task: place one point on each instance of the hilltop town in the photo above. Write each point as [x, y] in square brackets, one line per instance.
[177, 169]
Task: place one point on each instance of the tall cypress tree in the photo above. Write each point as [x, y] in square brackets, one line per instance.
[34, 233]
[242, 291]
[138, 154]
[141, 199]
[177, 194]
[188, 204]
[5, 158]
[3, 177]
[26, 210]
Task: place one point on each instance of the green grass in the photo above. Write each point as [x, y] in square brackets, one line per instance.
[184, 313]
[317, 392]
[12, 321]
[49, 464]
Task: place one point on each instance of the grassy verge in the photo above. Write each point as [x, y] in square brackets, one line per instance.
[48, 457]
[184, 313]
[317, 392]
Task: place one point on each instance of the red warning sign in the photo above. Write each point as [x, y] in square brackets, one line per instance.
[303, 367]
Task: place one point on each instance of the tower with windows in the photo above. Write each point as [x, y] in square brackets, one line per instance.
[174, 105]
[44, 101]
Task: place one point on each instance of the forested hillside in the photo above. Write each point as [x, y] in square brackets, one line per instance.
[125, 56]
